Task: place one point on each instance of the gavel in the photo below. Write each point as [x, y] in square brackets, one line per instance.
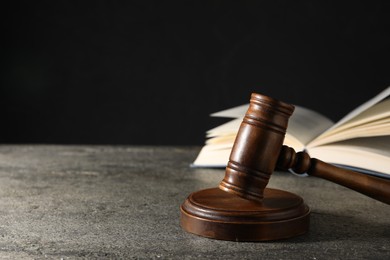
[242, 208]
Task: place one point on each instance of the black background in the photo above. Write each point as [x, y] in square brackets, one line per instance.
[150, 72]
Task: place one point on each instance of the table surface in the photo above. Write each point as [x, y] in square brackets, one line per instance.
[123, 202]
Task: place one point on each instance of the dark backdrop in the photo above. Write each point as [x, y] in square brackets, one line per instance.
[150, 72]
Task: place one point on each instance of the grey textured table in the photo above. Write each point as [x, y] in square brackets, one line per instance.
[123, 202]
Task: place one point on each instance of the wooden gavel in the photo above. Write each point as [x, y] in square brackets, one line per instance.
[242, 208]
[258, 150]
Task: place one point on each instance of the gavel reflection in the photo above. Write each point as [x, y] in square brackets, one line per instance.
[242, 208]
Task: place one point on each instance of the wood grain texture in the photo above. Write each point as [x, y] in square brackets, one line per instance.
[240, 210]
[256, 148]
[217, 214]
[374, 187]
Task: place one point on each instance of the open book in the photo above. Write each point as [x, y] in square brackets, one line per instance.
[360, 140]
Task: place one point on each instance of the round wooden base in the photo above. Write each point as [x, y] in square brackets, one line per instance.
[214, 213]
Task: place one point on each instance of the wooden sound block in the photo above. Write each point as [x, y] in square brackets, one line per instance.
[214, 213]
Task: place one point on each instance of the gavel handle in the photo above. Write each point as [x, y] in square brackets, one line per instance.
[374, 187]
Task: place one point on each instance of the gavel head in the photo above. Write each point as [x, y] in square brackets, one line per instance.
[257, 147]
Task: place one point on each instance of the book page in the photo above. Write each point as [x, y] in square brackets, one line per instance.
[372, 154]
[230, 127]
[213, 156]
[372, 122]
[377, 112]
[374, 128]
[304, 124]
[378, 98]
